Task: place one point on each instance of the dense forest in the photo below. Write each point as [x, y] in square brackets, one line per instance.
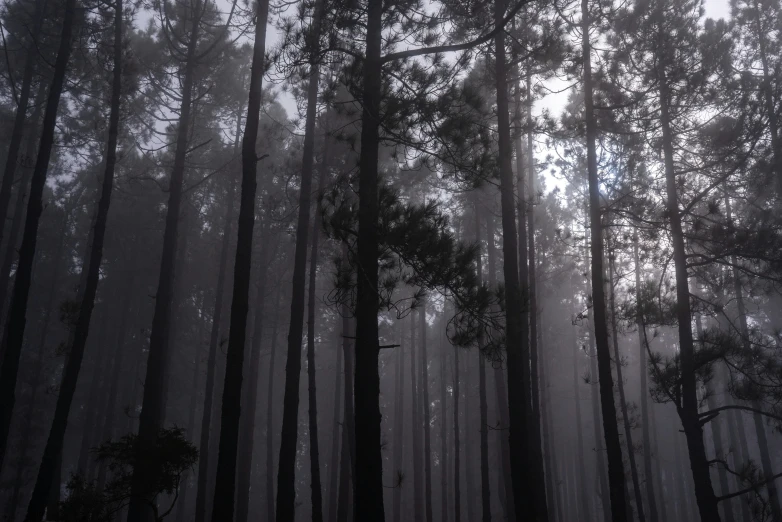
[404, 260]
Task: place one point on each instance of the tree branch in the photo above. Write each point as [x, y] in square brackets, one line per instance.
[456, 47]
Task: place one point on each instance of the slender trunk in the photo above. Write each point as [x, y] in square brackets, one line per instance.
[658, 470]
[457, 511]
[182, 505]
[286, 491]
[539, 481]
[16, 222]
[13, 337]
[622, 400]
[223, 506]
[616, 479]
[17, 134]
[502, 396]
[552, 494]
[399, 398]
[270, 413]
[688, 409]
[54, 443]
[768, 98]
[642, 356]
[205, 441]
[247, 421]
[317, 495]
[581, 490]
[91, 407]
[28, 419]
[738, 442]
[443, 436]
[427, 456]
[484, 416]
[151, 417]
[415, 428]
[368, 497]
[469, 471]
[336, 436]
[518, 383]
[716, 435]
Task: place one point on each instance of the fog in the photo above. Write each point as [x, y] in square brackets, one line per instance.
[361, 261]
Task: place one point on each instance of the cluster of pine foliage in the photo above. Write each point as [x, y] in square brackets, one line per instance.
[380, 181]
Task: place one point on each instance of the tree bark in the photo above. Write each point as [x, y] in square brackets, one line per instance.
[315, 485]
[506, 492]
[644, 393]
[457, 501]
[223, 506]
[484, 416]
[286, 490]
[688, 409]
[426, 417]
[336, 432]
[205, 441]
[415, 428]
[622, 400]
[616, 479]
[583, 487]
[247, 421]
[270, 413]
[54, 443]
[37, 373]
[539, 481]
[443, 437]
[518, 383]
[16, 221]
[17, 134]
[152, 412]
[13, 337]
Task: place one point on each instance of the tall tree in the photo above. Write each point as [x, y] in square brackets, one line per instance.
[223, 506]
[17, 313]
[616, 480]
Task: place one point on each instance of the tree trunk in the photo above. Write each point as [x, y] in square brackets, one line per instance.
[552, 494]
[317, 495]
[539, 481]
[182, 505]
[28, 419]
[16, 221]
[415, 429]
[443, 437]
[270, 413]
[223, 506]
[581, 490]
[91, 407]
[17, 134]
[622, 400]
[642, 357]
[217, 313]
[616, 479]
[518, 383]
[151, 417]
[13, 337]
[688, 409]
[368, 480]
[427, 456]
[54, 443]
[457, 511]
[506, 492]
[286, 491]
[335, 437]
[716, 436]
[484, 416]
[336, 433]
[399, 399]
[247, 421]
